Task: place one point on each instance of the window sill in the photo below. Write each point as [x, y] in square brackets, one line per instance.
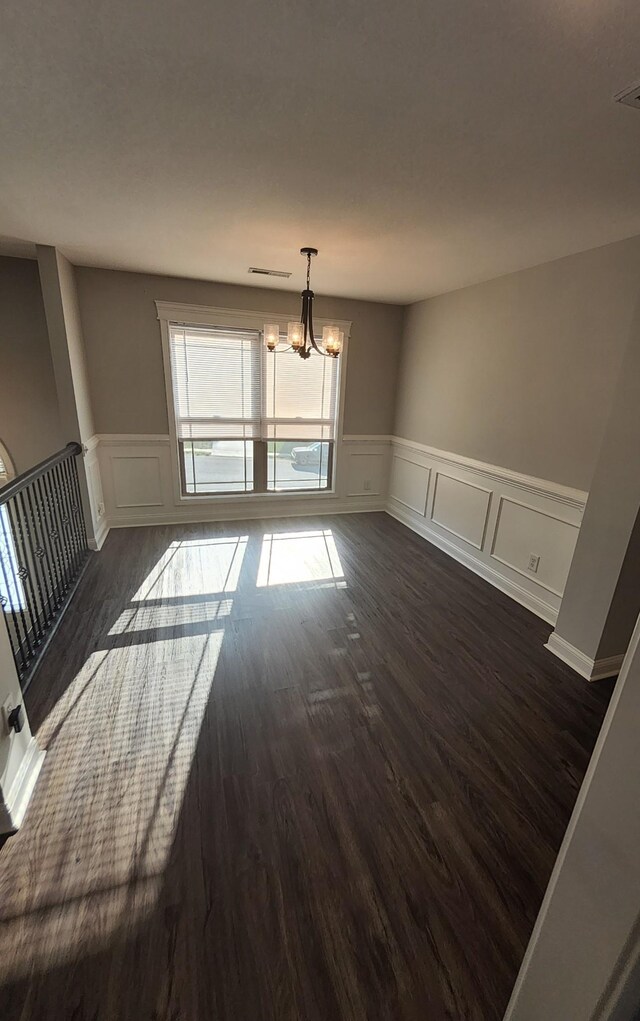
[298, 494]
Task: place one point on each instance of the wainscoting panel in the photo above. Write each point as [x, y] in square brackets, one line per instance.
[523, 531]
[366, 472]
[139, 488]
[136, 481]
[461, 507]
[409, 483]
[491, 519]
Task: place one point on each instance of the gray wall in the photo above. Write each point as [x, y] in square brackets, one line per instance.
[29, 422]
[520, 371]
[602, 595]
[124, 351]
[57, 280]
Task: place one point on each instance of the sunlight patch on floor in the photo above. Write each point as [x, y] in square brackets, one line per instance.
[142, 617]
[289, 557]
[196, 567]
[110, 797]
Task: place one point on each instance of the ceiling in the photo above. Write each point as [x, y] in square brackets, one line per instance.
[421, 145]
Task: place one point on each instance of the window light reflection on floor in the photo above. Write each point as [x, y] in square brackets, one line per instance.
[198, 566]
[142, 617]
[111, 860]
[289, 557]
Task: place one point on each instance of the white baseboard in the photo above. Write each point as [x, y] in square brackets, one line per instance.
[247, 512]
[591, 669]
[102, 532]
[15, 801]
[506, 585]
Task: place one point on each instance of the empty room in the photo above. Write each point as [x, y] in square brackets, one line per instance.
[320, 511]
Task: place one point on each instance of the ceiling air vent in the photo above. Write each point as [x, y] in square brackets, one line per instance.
[629, 96]
[269, 272]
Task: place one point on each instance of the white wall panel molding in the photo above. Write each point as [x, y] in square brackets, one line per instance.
[136, 486]
[461, 508]
[526, 483]
[409, 483]
[592, 669]
[538, 605]
[491, 519]
[544, 530]
[137, 480]
[133, 440]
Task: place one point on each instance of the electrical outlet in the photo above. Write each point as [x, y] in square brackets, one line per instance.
[367, 485]
[100, 510]
[534, 563]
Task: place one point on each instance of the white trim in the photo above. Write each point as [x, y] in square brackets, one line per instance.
[591, 669]
[542, 487]
[133, 439]
[463, 482]
[521, 595]
[102, 532]
[90, 445]
[12, 810]
[203, 315]
[422, 510]
[536, 510]
[251, 512]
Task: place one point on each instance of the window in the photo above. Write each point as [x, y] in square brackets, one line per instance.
[249, 420]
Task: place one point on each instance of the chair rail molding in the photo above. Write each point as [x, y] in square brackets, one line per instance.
[516, 531]
[542, 487]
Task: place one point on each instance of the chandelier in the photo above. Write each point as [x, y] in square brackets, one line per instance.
[300, 336]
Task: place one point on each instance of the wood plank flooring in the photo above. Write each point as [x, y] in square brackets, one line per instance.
[304, 770]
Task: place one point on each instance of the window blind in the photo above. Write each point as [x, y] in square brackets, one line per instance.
[300, 396]
[216, 376]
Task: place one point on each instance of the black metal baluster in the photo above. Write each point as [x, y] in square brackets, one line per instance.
[50, 546]
[65, 511]
[80, 515]
[76, 505]
[27, 547]
[25, 641]
[38, 577]
[7, 600]
[40, 551]
[57, 532]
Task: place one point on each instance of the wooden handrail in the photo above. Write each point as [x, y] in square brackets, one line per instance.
[22, 481]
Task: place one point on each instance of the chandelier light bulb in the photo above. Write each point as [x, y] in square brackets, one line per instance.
[332, 340]
[271, 335]
[295, 335]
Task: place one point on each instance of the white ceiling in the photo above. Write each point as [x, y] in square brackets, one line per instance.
[421, 145]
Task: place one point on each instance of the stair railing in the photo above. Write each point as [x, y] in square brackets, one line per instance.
[43, 552]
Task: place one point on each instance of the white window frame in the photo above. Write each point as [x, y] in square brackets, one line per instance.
[231, 318]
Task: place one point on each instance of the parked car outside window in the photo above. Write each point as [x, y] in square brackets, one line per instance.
[310, 454]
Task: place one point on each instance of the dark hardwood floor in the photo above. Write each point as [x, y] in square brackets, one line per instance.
[304, 770]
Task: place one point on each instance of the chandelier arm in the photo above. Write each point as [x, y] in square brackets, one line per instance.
[311, 336]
